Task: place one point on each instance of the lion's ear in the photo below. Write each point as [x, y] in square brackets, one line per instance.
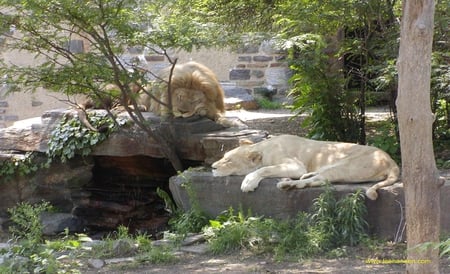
[255, 156]
[244, 142]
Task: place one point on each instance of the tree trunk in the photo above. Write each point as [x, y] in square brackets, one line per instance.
[419, 173]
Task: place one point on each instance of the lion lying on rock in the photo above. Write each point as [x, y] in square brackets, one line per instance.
[312, 163]
[194, 90]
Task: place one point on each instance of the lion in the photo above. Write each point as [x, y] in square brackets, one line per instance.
[108, 98]
[194, 90]
[312, 163]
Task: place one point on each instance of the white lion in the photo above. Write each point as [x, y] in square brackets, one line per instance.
[312, 163]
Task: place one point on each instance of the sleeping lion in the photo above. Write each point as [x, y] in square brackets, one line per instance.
[311, 163]
[194, 90]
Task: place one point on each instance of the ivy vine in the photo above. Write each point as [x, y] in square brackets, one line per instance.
[69, 138]
[18, 166]
[72, 138]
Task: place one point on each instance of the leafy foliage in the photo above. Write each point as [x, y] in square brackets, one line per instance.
[31, 254]
[107, 28]
[194, 219]
[26, 219]
[384, 137]
[343, 220]
[68, 139]
[316, 87]
[139, 245]
[18, 167]
[265, 103]
[341, 52]
[330, 225]
[71, 137]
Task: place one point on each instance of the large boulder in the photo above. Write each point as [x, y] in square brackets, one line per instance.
[217, 194]
[195, 136]
[239, 97]
[117, 183]
[56, 184]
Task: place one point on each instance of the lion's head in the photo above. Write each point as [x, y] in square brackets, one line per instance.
[185, 100]
[239, 161]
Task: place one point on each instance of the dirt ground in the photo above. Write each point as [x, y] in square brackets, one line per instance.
[242, 263]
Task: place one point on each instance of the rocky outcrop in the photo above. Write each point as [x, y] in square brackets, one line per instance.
[117, 183]
[216, 194]
[56, 184]
[195, 137]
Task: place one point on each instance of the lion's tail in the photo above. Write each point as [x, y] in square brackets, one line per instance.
[84, 120]
[391, 178]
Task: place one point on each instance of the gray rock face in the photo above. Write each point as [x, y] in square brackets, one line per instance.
[56, 184]
[217, 194]
[55, 223]
[238, 96]
[192, 136]
[118, 181]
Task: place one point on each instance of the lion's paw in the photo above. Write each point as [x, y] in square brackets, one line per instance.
[308, 175]
[250, 183]
[289, 184]
[284, 185]
[372, 194]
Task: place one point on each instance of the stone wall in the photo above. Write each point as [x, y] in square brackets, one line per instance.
[261, 66]
[252, 66]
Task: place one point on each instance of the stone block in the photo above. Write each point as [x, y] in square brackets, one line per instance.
[11, 118]
[216, 194]
[247, 59]
[35, 103]
[55, 223]
[262, 58]
[239, 74]
[257, 65]
[238, 96]
[278, 77]
[257, 73]
[155, 58]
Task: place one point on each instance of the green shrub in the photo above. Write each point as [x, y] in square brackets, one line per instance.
[191, 221]
[339, 222]
[229, 232]
[331, 224]
[26, 222]
[30, 253]
[265, 103]
[385, 138]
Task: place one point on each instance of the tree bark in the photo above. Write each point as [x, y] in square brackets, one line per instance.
[419, 173]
